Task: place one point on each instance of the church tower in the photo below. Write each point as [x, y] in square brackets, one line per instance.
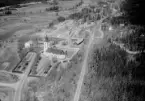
[45, 44]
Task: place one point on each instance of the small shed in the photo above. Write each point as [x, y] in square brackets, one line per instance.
[28, 44]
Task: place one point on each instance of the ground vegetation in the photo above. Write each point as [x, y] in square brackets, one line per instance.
[115, 72]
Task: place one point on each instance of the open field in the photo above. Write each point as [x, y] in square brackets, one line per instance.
[20, 26]
[8, 78]
[6, 93]
[34, 8]
[8, 59]
[9, 32]
[61, 80]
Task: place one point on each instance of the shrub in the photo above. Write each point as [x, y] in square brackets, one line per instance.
[54, 8]
[8, 12]
[51, 24]
[76, 16]
[61, 19]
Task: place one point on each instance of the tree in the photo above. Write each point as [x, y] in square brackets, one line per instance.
[8, 11]
[76, 16]
[61, 19]
[51, 25]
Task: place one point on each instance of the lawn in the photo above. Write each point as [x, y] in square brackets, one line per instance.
[8, 78]
[8, 55]
[6, 93]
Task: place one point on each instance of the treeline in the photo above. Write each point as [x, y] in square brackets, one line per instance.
[113, 74]
[132, 9]
[86, 15]
[53, 8]
[133, 35]
[15, 2]
[95, 12]
[135, 39]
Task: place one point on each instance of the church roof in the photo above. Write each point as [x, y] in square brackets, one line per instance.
[55, 51]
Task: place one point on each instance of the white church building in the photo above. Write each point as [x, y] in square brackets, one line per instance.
[50, 51]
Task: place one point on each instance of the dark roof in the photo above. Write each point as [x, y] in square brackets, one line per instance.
[51, 38]
[46, 39]
[55, 51]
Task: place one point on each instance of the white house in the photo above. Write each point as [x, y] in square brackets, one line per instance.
[28, 44]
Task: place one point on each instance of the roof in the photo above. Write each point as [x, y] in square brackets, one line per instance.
[46, 39]
[78, 41]
[55, 51]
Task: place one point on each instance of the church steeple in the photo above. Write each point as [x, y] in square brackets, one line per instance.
[46, 38]
[45, 43]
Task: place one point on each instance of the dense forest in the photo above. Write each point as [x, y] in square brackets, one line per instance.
[114, 74]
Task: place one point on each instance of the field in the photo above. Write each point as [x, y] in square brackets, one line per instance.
[6, 93]
[20, 26]
[25, 24]
[59, 84]
[8, 59]
[8, 78]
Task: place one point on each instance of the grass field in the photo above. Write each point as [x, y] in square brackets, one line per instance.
[6, 93]
[63, 81]
[9, 55]
[24, 23]
[8, 78]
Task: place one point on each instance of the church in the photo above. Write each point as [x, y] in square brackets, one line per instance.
[52, 51]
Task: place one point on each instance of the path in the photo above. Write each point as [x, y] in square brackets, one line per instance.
[83, 71]
[121, 45]
[11, 85]
[17, 96]
[23, 77]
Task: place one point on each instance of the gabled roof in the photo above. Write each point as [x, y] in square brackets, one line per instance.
[55, 51]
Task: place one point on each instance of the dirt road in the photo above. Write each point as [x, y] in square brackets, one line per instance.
[11, 85]
[17, 96]
[83, 71]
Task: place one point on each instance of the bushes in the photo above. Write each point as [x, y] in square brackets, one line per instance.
[113, 72]
[106, 74]
[135, 39]
[8, 12]
[116, 21]
[61, 19]
[80, 3]
[111, 61]
[86, 14]
[51, 25]
[76, 16]
[54, 8]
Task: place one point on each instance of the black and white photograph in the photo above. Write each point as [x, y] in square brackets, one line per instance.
[72, 50]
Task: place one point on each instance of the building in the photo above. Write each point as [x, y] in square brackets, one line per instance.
[28, 44]
[77, 41]
[50, 51]
[56, 51]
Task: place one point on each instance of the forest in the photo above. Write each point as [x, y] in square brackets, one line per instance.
[114, 74]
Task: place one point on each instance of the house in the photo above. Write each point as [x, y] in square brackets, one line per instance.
[28, 44]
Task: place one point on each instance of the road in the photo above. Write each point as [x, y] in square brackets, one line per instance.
[18, 92]
[22, 79]
[83, 71]
[121, 45]
[11, 85]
